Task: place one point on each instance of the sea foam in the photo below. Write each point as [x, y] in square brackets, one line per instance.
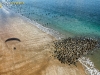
[88, 64]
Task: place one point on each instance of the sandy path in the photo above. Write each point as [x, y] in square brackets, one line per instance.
[32, 56]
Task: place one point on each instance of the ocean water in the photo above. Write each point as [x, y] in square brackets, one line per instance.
[77, 17]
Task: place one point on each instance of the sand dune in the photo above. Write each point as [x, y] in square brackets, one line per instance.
[32, 55]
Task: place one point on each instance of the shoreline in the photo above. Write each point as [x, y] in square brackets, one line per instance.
[40, 27]
[49, 31]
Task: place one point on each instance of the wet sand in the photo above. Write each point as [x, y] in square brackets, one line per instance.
[32, 55]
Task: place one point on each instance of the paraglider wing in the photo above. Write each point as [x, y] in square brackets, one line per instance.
[10, 39]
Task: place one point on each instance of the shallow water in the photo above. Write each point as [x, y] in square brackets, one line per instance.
[80, 18]
[96, 59]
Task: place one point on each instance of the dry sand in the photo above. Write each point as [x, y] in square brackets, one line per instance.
[32, 54]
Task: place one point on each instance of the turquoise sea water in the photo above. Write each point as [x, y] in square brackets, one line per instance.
[64, 18]
[80, 18]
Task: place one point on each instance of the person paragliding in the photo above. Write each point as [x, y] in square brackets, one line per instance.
[13, 39]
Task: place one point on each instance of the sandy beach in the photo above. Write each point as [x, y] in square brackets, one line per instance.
[32, 55]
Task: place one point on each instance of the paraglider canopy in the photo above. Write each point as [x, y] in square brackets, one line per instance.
[11, 39]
